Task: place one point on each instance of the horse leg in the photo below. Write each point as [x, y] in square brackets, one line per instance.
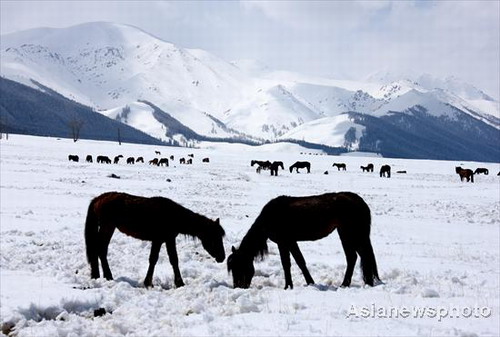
[153, 258]
[350, 255]
[174, 261]
[299, 258]
[105, 237]
[284, 250]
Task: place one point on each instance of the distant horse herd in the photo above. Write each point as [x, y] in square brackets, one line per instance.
[385, 170]
[466, 175]
[132, 160]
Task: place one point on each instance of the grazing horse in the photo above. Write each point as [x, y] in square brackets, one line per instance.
[117, 159]
[103, 159]
[153, 161]
[205, 160]
[301, 164]
[261, 165]
[130, 160]
[158, 153]
[139, 160]
[182, 161]
[156, 219]
[385, 171]
[275, 166]
[339, 166]
[88, 159]
[482, 170]
[367, 168]
[465, 174]
[189, 161]
[73, 157]
[286, 220]
[163, 161]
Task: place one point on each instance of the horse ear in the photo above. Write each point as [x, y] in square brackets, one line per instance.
[233, 249]
[217, 221]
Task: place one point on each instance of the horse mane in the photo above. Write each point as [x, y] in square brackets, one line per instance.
[254, 243]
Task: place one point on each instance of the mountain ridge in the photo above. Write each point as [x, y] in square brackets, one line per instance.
[109, 66]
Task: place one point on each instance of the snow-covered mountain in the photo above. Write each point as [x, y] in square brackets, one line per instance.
[123, 72]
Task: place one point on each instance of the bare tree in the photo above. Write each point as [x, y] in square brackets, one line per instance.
[119, 136]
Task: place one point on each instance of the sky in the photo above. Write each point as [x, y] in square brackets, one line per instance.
[336, 39]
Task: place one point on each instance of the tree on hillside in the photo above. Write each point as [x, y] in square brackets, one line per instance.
[75, 126]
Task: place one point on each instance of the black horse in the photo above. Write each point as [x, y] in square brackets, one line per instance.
[73, 157]
[103, 159]
[88, 159]
[139, 217]
[340, 166]
[385, 171]
[261, 165]
[275, 166]
[117, 159]
[286, 220]
[466, 174]
[301, 164]
[367, 168]
[163, 161]
[482, 170]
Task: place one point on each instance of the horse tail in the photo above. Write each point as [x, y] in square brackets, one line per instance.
[365, 251]
[368, 263]
[362, 216]
[92, 239]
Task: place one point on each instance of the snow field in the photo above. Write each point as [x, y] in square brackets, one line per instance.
[436, 241]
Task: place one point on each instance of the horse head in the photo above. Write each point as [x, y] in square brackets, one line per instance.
[211, 240]
[241, 267]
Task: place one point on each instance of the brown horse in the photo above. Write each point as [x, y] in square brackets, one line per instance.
[139, 217]
[465, 174]
[153, 161]
[286, 220]
[130, 160]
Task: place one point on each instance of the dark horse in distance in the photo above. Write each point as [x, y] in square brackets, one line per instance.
[261, 165]
[465, 174]
[275, 167]
[367, 168]
[385, 171]
[286, 220]
[155, 219]
[301, 164]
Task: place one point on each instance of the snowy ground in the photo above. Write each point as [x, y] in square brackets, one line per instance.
[436, 241]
